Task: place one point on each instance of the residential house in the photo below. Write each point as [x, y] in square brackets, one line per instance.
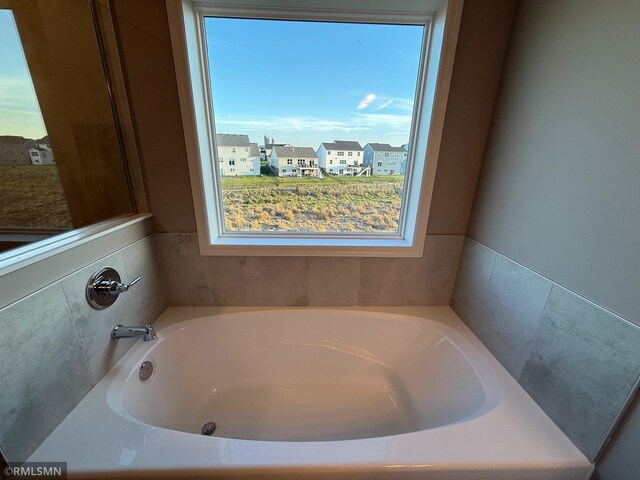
[294, 162]
[403, 165]
[237, 155]
[268, 147]
[383, 159]
[13, 150]
[40, 152]
[342, 157]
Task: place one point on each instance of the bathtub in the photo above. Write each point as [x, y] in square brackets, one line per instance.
[312, 393]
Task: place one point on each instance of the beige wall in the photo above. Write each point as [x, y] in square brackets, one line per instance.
[147, 60]
[146, 53]
[484, 35]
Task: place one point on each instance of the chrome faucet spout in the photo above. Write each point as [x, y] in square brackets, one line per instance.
[123, 331]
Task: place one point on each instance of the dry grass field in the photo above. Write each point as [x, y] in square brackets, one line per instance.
[332, 204]
[32, 196]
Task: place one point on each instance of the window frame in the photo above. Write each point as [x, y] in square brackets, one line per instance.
[442, 21]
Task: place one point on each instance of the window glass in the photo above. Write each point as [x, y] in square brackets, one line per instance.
[271, 99]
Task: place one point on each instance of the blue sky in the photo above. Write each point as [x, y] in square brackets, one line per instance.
[19, 110]
[309, 82]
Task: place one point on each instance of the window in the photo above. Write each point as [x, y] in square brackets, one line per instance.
[300, 162]
[232, 162]
[289, 161]
[379, 164]
[210, 37]
[34, 154]
[349, 154]
[386, 154]
[343, 162]
[243, 159]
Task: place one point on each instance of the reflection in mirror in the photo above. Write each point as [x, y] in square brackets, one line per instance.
[61, 161]
[31, 196]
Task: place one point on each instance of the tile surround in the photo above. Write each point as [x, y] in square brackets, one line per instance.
[333, 281]
[307, 281]
[54, 347]
[258, 280]
[577, 360]
[621, 460]
[149, 297]
[515, 299]
[472, 282]
[94, 326]
[185, 273]
[43, 371]
[583, 365]
[412, 281]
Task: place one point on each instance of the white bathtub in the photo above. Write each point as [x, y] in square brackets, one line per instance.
[372, 393]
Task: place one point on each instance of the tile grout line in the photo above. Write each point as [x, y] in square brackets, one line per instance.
[546, 302]
[537, 329]
[75, 327]
[611, 312]
[493, 268]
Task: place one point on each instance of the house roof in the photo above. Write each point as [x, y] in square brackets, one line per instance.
[385, 147]
[298, 152]
[232, 140]
[44, 139]
[12, 139]
[254, 151]
[342, 145]
[40, 149]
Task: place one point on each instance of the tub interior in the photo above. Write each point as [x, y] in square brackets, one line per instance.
[306, 377]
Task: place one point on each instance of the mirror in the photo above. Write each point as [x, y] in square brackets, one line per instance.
[62, 146]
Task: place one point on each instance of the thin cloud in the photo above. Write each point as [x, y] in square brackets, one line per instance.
[280, 124]
[366, 101]
[386, 104]
[403, 104]
[357, 122]
[384, 120]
